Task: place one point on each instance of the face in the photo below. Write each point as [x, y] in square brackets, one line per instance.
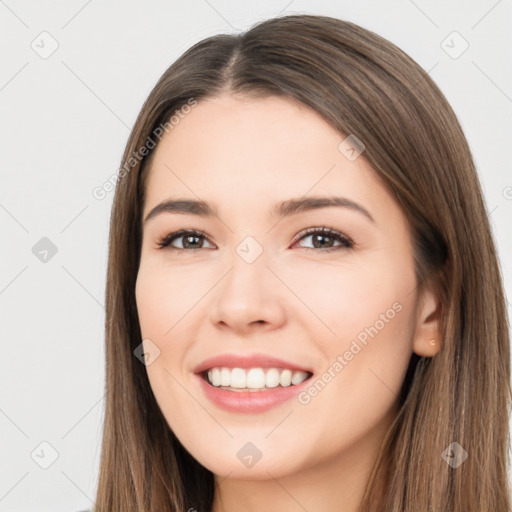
[340, 306]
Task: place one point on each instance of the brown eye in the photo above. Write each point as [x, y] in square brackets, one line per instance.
[190, 239]
[324, 238]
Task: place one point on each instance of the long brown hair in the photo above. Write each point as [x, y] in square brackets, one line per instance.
[362, 85]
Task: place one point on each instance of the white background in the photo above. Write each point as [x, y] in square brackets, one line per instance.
[64, 121]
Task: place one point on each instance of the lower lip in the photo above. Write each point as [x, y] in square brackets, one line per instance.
[247, 401]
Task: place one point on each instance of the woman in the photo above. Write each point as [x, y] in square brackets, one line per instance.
[367, 370]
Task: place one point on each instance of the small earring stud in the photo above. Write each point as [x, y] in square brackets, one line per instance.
[432, 342]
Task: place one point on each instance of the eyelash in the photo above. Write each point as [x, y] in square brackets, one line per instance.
[346, 242]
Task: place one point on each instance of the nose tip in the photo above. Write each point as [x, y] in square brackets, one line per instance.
[247, 299]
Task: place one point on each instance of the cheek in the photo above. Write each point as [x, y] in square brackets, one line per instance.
[364, 328]
[159, 316]
[168, 304]
[365, 366]
[342, 299]
[164, 299]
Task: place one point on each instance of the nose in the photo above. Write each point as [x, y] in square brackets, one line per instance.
[248, 298]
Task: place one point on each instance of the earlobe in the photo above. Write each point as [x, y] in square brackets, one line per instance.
[428, 336]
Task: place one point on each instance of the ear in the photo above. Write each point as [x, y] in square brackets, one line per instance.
[428, 336]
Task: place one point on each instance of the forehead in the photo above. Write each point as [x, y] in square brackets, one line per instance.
[253, 151]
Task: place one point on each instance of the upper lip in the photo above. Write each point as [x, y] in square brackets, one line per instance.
[247, 361]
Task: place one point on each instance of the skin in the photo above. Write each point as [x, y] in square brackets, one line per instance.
[306, 306]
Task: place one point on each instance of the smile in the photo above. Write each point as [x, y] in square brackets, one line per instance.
[251, 399]
[250, 383]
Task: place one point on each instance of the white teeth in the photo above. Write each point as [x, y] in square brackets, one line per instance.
[298, 377]
[286, 378]
[214, 376]
[238, 378]
[255, 378]
[225, 377]
[272, 378]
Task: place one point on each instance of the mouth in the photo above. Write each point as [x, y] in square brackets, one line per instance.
[253, 395]
[250, 383]
[253, 380]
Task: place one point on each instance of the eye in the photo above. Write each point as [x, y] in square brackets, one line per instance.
[192, 239]
[189, 239]
[319, 237]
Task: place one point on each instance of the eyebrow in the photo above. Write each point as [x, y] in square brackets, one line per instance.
[280, 210]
